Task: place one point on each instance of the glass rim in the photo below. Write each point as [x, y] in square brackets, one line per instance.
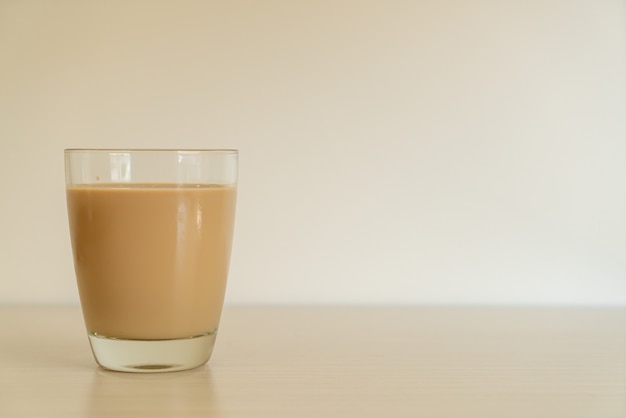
[155, 150]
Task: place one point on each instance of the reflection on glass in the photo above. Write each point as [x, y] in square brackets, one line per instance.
[120, 166]
[189, 166]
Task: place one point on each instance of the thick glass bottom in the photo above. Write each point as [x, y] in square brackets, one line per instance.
[152, 356]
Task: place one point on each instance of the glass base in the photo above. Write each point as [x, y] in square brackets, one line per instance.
[152, 356]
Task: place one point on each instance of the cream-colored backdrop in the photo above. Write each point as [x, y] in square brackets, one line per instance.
[414, 151]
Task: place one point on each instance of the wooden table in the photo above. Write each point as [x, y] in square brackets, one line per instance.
[335, 362]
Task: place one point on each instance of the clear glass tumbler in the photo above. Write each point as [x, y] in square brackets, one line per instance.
[151, 234]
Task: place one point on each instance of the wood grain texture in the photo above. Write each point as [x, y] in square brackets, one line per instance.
[335, 361]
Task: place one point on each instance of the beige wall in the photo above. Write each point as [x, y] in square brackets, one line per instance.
[391, 151]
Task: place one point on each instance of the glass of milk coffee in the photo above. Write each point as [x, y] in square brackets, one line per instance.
[151, 233]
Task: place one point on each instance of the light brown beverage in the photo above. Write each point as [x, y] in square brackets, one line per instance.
[151, 260]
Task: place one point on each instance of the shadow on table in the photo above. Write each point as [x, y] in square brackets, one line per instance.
[187, 393]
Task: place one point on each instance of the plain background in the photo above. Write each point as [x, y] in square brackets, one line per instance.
[392, 152]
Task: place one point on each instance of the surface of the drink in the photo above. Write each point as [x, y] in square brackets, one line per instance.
[151, 260]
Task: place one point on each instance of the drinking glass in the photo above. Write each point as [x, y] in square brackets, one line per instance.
[151, 234]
